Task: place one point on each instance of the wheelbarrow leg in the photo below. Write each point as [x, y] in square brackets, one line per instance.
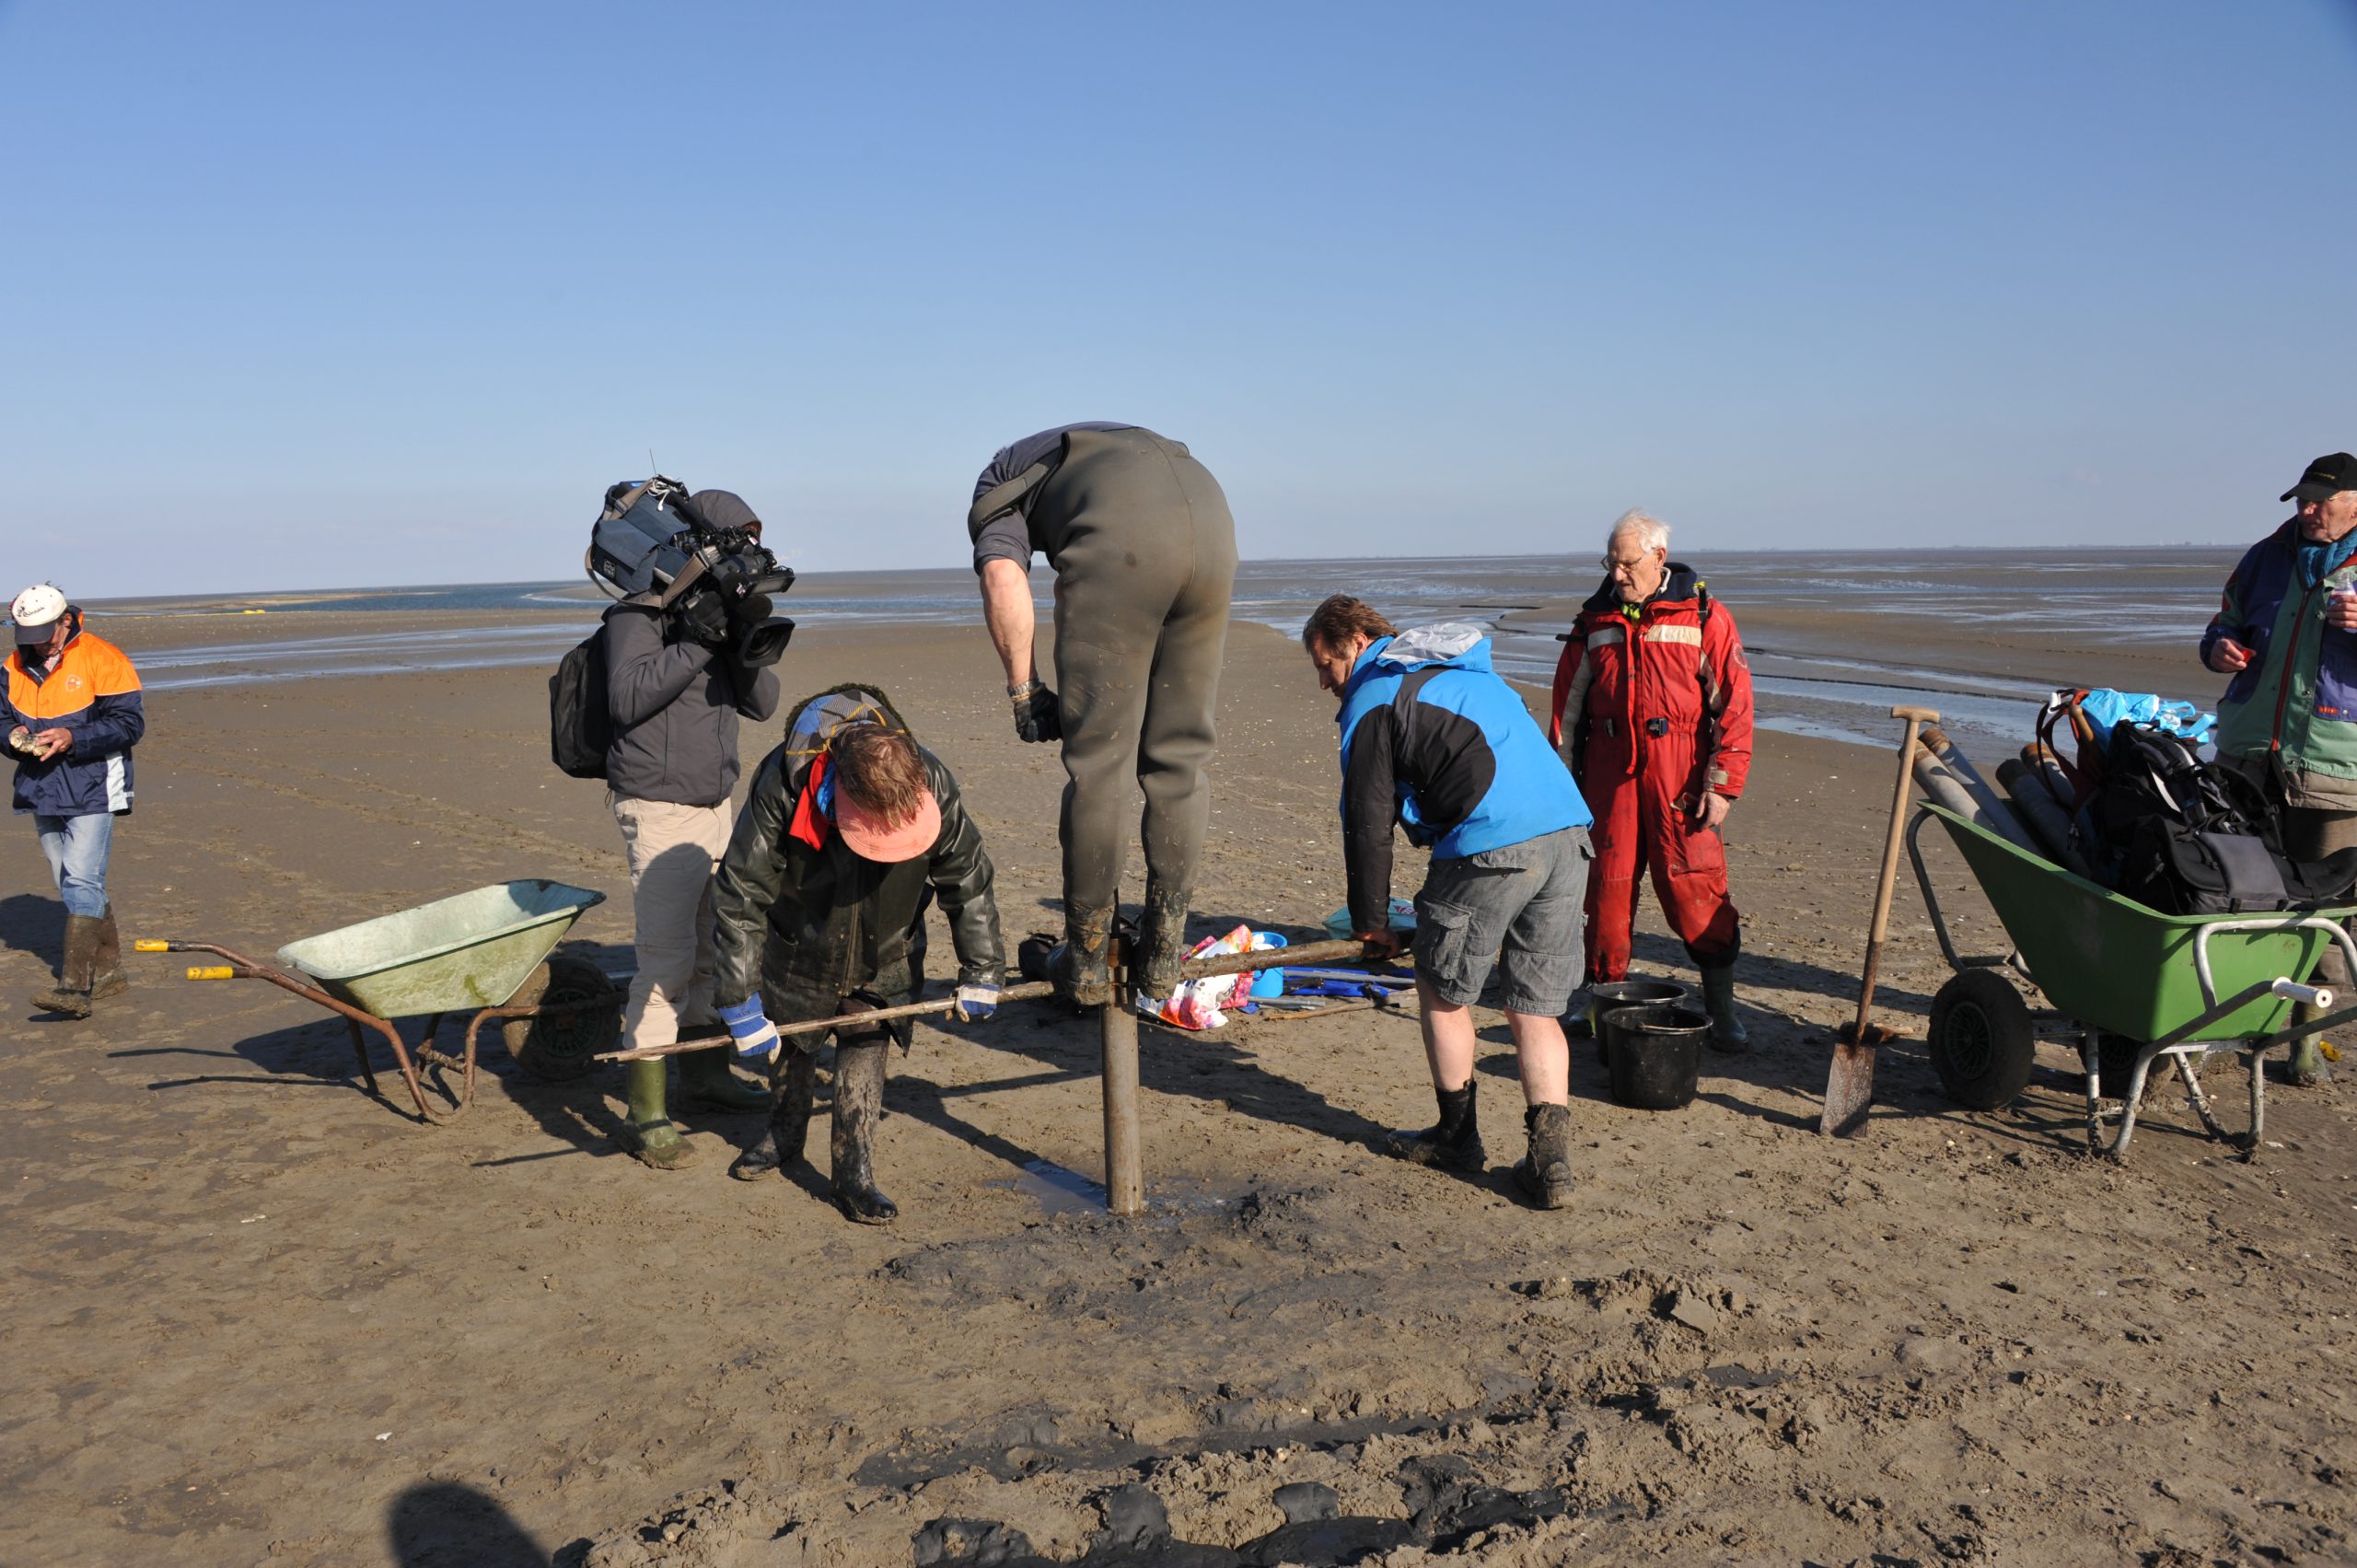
[2201, 1105]
[360, 1053]
[2091, 1060]
[2258, 1060]
[2119, 1149]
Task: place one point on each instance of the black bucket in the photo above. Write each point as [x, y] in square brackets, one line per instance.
[1612, 993]
[1655, 1054]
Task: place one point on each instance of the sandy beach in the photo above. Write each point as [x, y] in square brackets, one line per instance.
[254, 1314]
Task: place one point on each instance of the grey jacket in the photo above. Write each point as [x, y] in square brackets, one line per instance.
[675, 709]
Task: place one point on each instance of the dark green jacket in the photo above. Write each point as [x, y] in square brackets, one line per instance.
[792, 919]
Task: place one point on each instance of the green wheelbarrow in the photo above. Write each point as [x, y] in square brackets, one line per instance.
[2129, 985]
[486, 950]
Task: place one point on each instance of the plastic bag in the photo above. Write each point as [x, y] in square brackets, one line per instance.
[2106, 708]
[1201, 1004]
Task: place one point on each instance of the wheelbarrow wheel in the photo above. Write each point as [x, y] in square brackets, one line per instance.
[557, 1048]
[1981, 1041]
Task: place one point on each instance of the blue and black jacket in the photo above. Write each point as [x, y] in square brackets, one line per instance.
[91, 691]
[1436, 740]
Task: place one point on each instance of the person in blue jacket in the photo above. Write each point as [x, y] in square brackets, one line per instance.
[1434, 740]
[71, 712]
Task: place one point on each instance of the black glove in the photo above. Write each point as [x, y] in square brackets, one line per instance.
[1037, 716]
[704, 618]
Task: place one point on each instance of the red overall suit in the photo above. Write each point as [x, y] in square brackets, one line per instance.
[1656, 700]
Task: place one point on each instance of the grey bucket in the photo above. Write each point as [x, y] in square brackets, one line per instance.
[1655, 1054]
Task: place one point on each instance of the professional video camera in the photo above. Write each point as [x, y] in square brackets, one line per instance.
[715, 583]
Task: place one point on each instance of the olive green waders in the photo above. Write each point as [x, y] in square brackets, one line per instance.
[1144, 554]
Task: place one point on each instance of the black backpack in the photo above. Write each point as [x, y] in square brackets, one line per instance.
[580, 728]
[2184, 836]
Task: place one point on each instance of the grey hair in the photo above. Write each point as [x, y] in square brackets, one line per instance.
[1652, 533]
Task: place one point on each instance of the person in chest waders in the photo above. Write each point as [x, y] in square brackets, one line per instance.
[1653, 711]
[1143, 549]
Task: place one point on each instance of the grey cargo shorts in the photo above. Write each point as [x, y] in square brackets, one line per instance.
[1518, 907]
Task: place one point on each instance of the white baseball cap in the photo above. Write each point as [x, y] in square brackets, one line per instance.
[36, 610]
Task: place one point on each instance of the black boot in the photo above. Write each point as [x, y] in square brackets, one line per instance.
[1454, 1142]
[1162, 943]
[1083, 974]
[859, 1100]
[1544, 1175]
[71, 994]
[783, 1140]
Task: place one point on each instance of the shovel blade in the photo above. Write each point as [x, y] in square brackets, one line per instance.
[1848, 1090]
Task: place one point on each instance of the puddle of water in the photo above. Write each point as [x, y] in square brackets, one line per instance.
[1059, 1191]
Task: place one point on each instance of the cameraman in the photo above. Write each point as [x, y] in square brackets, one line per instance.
[674, 699]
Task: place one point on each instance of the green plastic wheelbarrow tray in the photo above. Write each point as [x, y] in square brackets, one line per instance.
[473, 951]
[2182, 985]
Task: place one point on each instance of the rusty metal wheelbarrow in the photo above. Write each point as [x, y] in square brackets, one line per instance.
[487, 950]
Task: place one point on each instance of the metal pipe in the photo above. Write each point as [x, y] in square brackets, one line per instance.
[1124, 1159]
[1346, 951]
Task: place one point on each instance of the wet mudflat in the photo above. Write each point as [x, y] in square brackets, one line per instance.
[253, 1315]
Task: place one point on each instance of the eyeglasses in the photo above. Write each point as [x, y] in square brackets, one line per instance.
[1610, 564]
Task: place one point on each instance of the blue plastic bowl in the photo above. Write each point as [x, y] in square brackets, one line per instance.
[1270, 982]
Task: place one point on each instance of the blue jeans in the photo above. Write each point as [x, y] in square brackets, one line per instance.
[76, 850]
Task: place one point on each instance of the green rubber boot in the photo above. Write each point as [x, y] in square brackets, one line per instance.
[708, 1081]
[647, 1135]
[2306, 1068]
[1727, 1033]
[107, 978]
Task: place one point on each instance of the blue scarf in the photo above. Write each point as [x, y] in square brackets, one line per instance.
[2318, 561]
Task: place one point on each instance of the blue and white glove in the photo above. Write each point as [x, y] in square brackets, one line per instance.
[754, 1034]
[975, 1004]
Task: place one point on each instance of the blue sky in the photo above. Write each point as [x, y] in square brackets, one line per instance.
[301, 294]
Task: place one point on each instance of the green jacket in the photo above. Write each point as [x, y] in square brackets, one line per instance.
[2294, 710]
[794, 919]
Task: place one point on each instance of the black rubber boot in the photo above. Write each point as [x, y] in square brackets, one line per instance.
[107, 978]
[1454, 1142]
[1727, 1033]
[1162, 943]
[71, 994]
[1083, 975]
[647, 1135]
[783, 1140]
[1544, 1175]
[859, 1101]
[707, 1082]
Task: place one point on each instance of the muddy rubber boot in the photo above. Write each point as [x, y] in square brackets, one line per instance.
[1082, 973]
[789, 1130]
[2305, 1068]
[1454, 1142]
[1727, 1033]
[71, 994]
[1162, 943]
[107, 978]
[647, 1135]
[1544, 1175]
[707, 1082]
[859, 1101]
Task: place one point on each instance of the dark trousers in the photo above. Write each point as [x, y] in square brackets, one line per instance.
[1144, 554]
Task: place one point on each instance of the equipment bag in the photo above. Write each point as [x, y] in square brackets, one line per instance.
[580, 728]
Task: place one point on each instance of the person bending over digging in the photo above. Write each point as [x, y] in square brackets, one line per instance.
[851, 831]
[1434, 740]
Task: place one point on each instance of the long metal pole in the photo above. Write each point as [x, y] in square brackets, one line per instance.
[1124, 1154]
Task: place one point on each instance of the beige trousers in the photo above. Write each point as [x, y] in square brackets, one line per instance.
[673, 851]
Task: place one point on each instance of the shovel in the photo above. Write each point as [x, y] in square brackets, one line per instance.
[1849, 1088]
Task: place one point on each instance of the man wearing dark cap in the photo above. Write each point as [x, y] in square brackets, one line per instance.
[71, 712]
[2286, 633]
[675, 702]
[1143, 549]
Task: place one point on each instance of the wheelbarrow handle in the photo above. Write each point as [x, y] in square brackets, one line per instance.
[2318, 996]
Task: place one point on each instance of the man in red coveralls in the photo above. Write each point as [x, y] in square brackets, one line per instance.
[1653, 711]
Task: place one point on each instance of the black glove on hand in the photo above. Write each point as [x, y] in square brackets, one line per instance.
[704, 618]
[1036, 715]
